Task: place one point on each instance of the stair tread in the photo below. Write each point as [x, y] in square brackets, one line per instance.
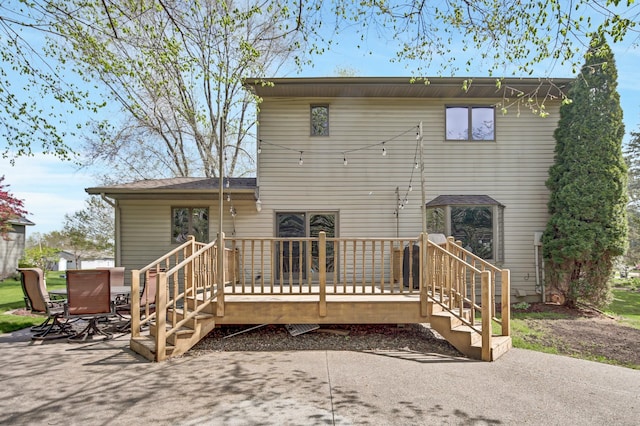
[149, 342]
[200, 315]
[495, 341]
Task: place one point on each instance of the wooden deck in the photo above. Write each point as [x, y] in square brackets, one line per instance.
[454, 289]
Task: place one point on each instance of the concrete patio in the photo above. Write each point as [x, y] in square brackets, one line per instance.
[104, 383]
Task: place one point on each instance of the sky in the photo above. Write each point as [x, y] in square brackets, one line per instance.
[52, 188]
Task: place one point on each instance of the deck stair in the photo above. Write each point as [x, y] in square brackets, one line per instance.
[456, 294]
[467, 339]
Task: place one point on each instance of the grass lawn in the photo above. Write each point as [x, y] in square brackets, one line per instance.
[11, 297]
[626, 305]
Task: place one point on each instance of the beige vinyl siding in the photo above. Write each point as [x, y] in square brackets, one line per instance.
[512, 169]
[145, 226]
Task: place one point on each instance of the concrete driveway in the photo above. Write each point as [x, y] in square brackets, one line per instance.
[103, 383]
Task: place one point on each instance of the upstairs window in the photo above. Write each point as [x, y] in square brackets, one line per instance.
[319, 120]
[187, 221]
[470, 123]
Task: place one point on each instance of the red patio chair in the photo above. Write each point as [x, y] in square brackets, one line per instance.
[89, 298]
[37, 300]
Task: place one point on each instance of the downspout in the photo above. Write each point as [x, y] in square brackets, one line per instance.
[116, 226]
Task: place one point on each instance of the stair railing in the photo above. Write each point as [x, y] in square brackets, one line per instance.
[462, 282]
[149, 273]
[189, 285]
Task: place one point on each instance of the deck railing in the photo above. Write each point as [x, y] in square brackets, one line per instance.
[445, 273]
[185, 272]
[369, 266]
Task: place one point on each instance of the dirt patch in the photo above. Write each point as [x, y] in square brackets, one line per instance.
[411, 337]
[586, 333]
[583, 333]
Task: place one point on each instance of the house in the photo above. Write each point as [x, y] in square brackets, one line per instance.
[96, 260]
[343, 155]
[12, 248]
[378, 159]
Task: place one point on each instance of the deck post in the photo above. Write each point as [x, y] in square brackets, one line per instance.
[486, 315]
[135, 303]
[161, 317]
[322, 273]
[220, 276]
[505, 305]
[189, 270]
[424, 291]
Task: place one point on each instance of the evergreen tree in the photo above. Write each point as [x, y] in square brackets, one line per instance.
[587, 228]
[632, 156]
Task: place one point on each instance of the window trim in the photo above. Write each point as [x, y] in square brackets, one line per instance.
[469, 122]
[311, 127]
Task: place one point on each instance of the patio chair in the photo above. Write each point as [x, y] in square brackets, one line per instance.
[147, 300]
[116, 275]
[116, 278]
[89, 298]
[37, 300]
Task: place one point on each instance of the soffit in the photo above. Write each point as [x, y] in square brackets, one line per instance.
[401, 87]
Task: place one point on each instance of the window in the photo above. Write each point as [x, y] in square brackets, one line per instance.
[319, 120]
[476, 220]
[190, 221]
[470, 123]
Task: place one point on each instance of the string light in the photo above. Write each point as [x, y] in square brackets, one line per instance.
[402, 202]
[345, 153]
[228, 184]
[228, 198]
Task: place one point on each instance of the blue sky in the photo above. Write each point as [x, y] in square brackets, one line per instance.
[51, 188]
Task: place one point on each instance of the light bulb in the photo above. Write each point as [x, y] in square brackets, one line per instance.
[415, 165]
[259, 149]
[300, 161]
[384, 150]
[410, 188]
[228, 184]
[228, 198]
[344, 160]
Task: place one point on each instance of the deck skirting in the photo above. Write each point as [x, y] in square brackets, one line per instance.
[291, 311]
